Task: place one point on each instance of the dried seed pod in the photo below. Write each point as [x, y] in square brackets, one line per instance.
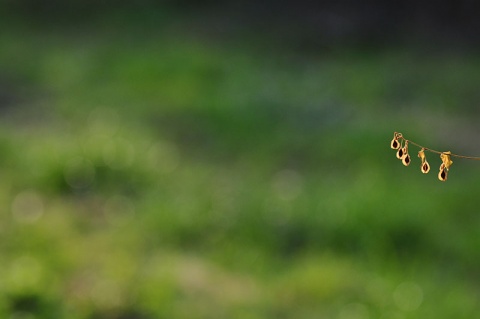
[403, 151]
[443, 173]
[424, 167]
[406, 160]
[400, 153]
[446, 161]
[421, 154]
[395, 144]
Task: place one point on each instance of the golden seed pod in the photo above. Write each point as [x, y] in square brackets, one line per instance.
[443, 173]
[421, 154]
[406, 160]
[446, 161]
[394, 144]
[400, 153]
[425, 167]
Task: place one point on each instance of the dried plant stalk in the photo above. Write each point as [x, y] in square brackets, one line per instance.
[400, 144]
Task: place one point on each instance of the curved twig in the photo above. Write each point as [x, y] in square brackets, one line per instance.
[400, 136]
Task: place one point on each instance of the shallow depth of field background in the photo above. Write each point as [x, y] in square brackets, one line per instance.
[231, 160]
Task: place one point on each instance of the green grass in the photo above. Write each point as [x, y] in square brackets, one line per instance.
[163, 177]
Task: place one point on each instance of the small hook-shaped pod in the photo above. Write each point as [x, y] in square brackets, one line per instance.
[406, 160]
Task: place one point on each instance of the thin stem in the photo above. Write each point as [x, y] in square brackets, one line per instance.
[438, 152]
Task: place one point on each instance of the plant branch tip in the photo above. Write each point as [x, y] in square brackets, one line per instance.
[400, 144]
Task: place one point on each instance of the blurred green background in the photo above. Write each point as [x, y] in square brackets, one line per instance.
[231, 160]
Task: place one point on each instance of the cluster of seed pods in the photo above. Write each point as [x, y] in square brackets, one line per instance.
[400, 144]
